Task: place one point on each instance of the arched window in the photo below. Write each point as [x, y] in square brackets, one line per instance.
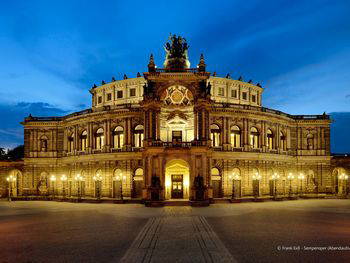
[254, 137]
[282, 141]
[215, 172]
[236, 172]
[215, 135]
[118, 174]
[43, 143]
[71, 143]
[310, 141]
[100, 138]
[139, 172]
[138, 136]
[269, 142]
[83, 140]
[235, 136]
[118, 137]
[255, 173]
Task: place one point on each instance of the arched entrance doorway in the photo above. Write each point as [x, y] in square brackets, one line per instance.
[216, 182]
[339, 181]
[137, 183]
[177, 178]
[14, 185]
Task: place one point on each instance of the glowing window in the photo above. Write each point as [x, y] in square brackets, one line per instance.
[254, 137]
[235, 136]
[99, 138]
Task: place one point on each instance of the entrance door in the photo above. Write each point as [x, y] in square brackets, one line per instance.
[177, 186]
[137, 191]
[237, 187]
[216, 188]
[177, 136]
[272, 187]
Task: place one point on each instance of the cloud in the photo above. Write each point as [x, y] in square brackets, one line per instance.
[11, 132]
[340, 139]
[313, 88]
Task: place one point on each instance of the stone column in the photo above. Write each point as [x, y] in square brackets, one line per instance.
[200, 124]
[263, 135]
[35, 140]
[145, 121]
[228, 133]
[288, 139]
[90, 137]
[105, 134]
[206, 124]
[318, 138]
[195, 135]
[244, 133]
[158, 124]
[129, 131]
[277, 137]
[76, 138]
[126, 131]
[161, 174]
[65, 135]
[223, 131]
[323, 147]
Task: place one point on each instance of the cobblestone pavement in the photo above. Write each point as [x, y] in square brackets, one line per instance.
[290, 231]
[186, 239]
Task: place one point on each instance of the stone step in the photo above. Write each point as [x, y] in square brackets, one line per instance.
[221, 200]
[177, 203]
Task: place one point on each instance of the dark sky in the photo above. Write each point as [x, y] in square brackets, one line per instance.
[53, 51]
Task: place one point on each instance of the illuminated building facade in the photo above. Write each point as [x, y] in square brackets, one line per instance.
[169, 126]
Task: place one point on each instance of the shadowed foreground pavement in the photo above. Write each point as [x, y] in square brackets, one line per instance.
[251, 232]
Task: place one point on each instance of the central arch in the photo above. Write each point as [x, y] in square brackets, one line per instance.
[177, 179]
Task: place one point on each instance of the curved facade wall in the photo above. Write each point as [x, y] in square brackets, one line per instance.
[177, 126]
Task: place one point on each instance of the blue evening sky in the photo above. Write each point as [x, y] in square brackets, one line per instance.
[52, 52]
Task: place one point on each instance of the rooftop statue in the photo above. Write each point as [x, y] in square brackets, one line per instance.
[176, 54]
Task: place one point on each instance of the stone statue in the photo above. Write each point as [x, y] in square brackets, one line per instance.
[155, 188]
[42, 185]
[208, 90]
[176, 54]
[148, 90]
[205, 89]
[199, 188]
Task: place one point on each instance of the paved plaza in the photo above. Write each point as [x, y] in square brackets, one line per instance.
[289, 231]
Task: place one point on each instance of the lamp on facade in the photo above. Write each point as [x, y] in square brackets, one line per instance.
[10, 179]
[98, 179]
[301, 178]
[63, 180]
[290, 177]
[343, 177]
[274, 178]
[53, 180]
[79, 180]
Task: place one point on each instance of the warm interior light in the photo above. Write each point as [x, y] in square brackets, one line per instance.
[63, 177]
